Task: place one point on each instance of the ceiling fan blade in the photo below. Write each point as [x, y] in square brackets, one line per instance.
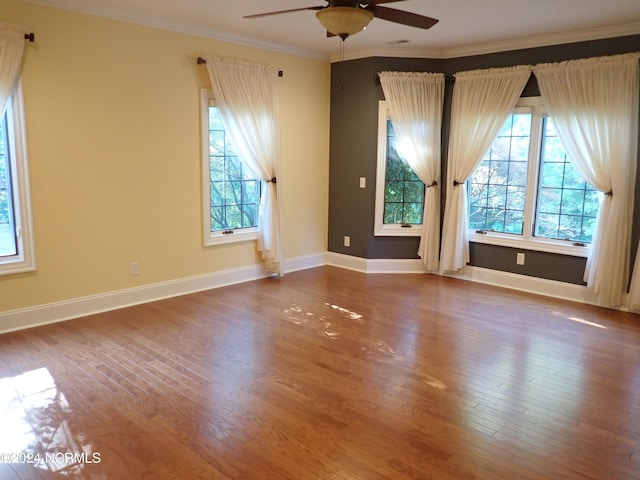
[268, 14]
[402, 17]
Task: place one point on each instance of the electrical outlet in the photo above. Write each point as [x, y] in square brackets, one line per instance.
[135, 268]
[347, 241]
[519, 258]
[363, 182]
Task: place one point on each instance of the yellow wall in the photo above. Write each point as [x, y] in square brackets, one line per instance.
[113, 129]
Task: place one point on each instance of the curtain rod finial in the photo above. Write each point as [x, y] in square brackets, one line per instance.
[30, 36]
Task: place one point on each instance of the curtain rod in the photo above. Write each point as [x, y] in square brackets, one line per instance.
[30, 36]
[202, 61]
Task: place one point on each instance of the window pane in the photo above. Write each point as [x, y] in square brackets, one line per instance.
[412, 213]
[549, 200]
[234, 194]
[217, 218]
[515, 198]
[567, 206]
[547, 225]
[497, 187]
[394, 192]
[216, 143]
[249, 215]
[404, 191]
[8, 244]
[477, 217]
[392, 213]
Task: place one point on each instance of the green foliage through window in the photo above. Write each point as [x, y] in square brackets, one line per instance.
[404, 191]
[498, 186]
[565, 205]
[234, 193]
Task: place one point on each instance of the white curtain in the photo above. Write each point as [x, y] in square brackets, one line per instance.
[11, 48]
[482, 101]
[246, 95]
[415, 102]
[594, 105]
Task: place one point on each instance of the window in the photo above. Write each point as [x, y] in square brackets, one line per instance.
[399, 191]
[16, 239]
[526, 193]
[231, 195]
[498, 186]
[567, 206]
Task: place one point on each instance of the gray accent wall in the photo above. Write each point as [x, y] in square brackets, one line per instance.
[355, 93]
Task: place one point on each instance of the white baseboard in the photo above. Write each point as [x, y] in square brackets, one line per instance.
[364, 265]
[80, 307]
[525, 283]
[304, 262]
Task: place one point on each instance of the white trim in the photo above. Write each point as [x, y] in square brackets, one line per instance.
[304, 262]
[560, 247]
[210, 238]
[79, 307]
[348, 262]
[544, 40]
[493, 47]
[409, 52]
[178, 27]
[380, 229]
[535, 107]
[25, 261]
[525, 283]
[382, 265]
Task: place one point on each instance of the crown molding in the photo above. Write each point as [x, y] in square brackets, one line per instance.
[495, 47]
[546, 40]
[176, 27]
[405, 51]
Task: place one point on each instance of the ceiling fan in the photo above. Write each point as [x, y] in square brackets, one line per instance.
[345, 17]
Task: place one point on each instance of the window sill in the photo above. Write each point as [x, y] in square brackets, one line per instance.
[397, 231]
[236, 237]
[12, 267]
[515, 241]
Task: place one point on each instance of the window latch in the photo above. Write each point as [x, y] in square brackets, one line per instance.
[227, 232]
[406, 225]
[481, 232]
[579, 244]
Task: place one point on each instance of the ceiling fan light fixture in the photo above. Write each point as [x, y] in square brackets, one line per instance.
[344, 21]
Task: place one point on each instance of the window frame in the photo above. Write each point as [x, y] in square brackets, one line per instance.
[380, 228]
[528, 241]
[219, 237]
[25, 259]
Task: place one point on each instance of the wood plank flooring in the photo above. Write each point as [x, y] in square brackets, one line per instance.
[327, 374]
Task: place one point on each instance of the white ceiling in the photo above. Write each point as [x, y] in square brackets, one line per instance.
[465, 27]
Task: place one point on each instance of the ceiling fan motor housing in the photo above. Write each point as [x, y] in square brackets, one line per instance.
[344, 21]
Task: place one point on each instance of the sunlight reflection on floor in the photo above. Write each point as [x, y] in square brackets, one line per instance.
[34, 416]
[580, 320]
[328, 325]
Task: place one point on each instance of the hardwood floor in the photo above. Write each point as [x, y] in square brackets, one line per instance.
[327, 374]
